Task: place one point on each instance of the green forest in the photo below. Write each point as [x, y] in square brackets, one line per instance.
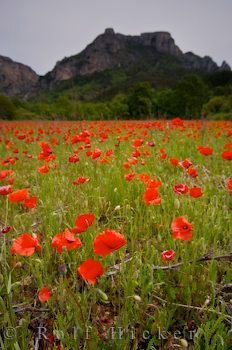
[193, 96]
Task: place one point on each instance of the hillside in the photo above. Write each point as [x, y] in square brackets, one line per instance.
[112, 63]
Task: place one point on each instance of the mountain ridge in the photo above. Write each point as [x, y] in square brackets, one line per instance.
[149, 56]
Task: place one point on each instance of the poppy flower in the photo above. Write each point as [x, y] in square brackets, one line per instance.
[19, 195]
[229, 186]
[136, 153]
[151, 143]
[44, 294]
[180, 189]
[65, 239]
[46, 153]
[174, 161]
[144, 177]
[192, 172]
[168, 255]
[90, 270]
[83, 222]
[6, 229]
[25, 245]
[130, 176]
[74, 159]
[195, 192]
[227, 155]
[151, 196]
[109, 152]
[185, 163]
[43, 169]
[181, 229]
[30, 203]
[107, 242]
[5, 173]
[5, 190]
[206, 151]
[96, 153]
[81, 180]
[177, 122]
[153, 183]
[137, 143]
[10, 181]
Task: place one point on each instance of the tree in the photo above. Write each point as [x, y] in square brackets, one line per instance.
[7, 108]
[191, 94]
[140, 100]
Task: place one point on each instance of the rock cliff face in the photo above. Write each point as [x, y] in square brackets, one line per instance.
[111, 49]
[16, 79]
[149, 55]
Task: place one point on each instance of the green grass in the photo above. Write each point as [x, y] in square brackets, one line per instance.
[145, 304]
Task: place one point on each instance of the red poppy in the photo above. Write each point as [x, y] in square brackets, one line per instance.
[174, 161]
[130, 176]
[5, 173]
[96, 153]
[153, 183]
[151, 196]
[192, 172]
[43, 169]
[144, 177]
[83, 222]
[6, 229]
[206, 151]
[65, 239]
[177, 122]
[90, 270]
[81, 180]
[5, 190]
[168, 255]
[181, 229]
[195, 192]
[180, 189]
[25, 245]
[227, 155]
[44, 294]
[229, 186]
[185, 163]
[136, 153]
[151, 143]
[30, 203]
[46, 153]
[19, 195]
[107, 242]
[74, 159]
[10, 181]
[109, 152]
[137, 143]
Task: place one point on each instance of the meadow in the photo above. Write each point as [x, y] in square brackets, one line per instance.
[116, 235]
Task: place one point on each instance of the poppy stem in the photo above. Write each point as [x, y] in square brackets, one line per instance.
[7, 206]
[201, 259]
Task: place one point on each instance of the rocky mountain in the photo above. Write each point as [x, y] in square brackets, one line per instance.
[16, 79]
[111, 62]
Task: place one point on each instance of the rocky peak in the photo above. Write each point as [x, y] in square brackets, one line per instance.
[225, 66]
[195, 62]
[16, 79]
[109, 31]
[162, 42]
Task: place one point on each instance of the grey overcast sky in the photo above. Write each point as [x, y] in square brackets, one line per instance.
[41, 32]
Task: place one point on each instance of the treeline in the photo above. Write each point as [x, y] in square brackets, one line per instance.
[193, 97]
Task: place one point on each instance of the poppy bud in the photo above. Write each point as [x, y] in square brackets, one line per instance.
[176, 203]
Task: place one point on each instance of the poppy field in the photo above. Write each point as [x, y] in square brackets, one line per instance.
[116, 235]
